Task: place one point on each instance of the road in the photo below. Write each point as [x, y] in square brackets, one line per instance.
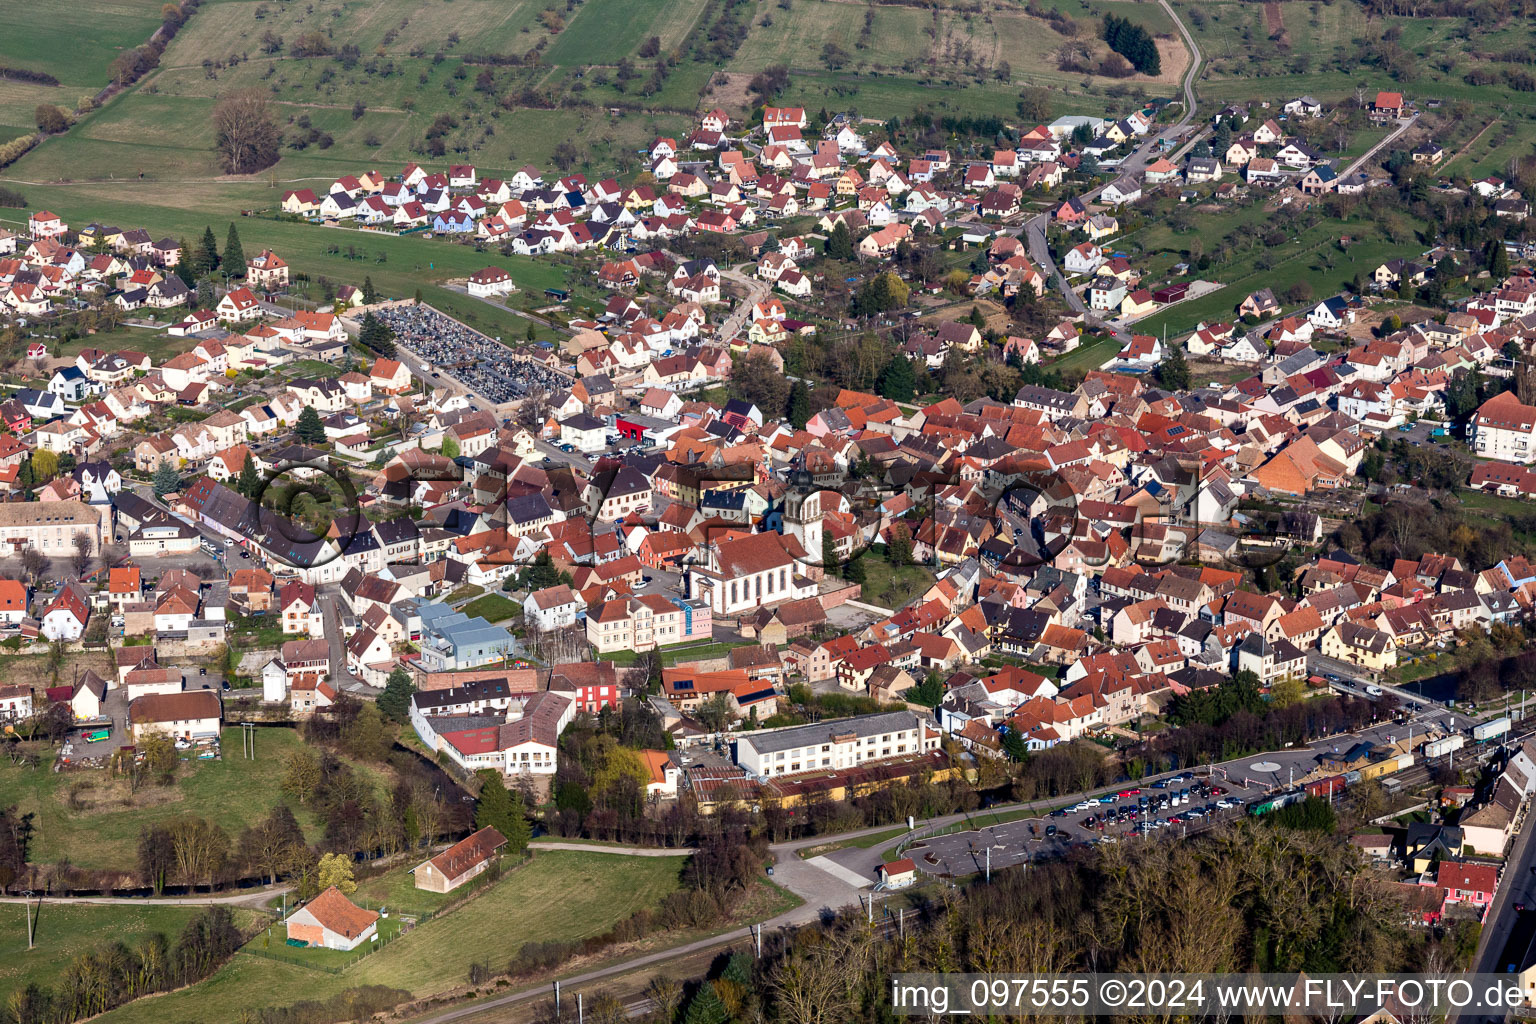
[1507, 933]
[757, 291]
[1402, 126]
[248, 897]
[1034, 229]
[330, 604]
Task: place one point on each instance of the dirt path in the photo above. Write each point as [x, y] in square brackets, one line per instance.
[1274, 20]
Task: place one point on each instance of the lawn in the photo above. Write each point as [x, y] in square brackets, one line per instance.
[593, 891]
[604, 31]
[892, 586]
[396, 891]
[73, 42]
[64, 931]
[1089, 355]
[104, 835]
[492, 608]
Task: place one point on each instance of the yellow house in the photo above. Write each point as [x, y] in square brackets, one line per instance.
[1101, 226]
[521, 443]
[766, 332]
[1115, 133]
[1137, 303]
[1360, 645]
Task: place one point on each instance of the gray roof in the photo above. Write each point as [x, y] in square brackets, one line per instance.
[822, 732]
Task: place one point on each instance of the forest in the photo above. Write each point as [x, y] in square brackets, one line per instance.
[1250, 896]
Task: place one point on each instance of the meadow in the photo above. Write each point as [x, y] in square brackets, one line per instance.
[593, 891]
[104, 833]
[73, 42]
[63, 931]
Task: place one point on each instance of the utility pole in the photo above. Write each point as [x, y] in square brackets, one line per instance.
[989, 864]
[557, 1000]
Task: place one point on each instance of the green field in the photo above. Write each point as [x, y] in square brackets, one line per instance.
[72, 42]
[1090, 354]
[892, 586]
[64, 931]
[604, 31]
[558, 895]
[104, 836]
[492, 608]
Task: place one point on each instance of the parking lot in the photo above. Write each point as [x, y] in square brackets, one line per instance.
[1118, 818]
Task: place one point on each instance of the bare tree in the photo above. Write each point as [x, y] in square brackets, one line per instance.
[245, 135]
[34, 564]
[83, 556]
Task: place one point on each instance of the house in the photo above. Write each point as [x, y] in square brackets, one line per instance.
[266, 270]
[1388, 106]
[490, 281]
[459, 863]
[1120, 191]
[238, 305]
[191, 715]
[1505, 429]
[836, 744]
[64, 617]
[1260, 304]
[331, 921]
[1320, 180]
[553, 608]
[45, 224]
[898, 874]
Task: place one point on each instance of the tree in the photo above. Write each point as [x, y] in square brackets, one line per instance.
[249, 481]
[929, 693]
[799, 405]
[897, 381]
[165, 480]
[34, 564]
[756, 378]
[301, 775]
[45, 465]
[840, 242]
[157, 859]
[881, 293]
[309, 429]
[898, 546]
[854, 572]
[234, 253]
[1286, 692]
[705, 1007]
[502, 810]
[268, 846]
[336, 869]
[828, 551]
[245, 135]
[375, 334]
[83, 556]
[395, 702]
[369, 295]
[51, 120]
[205, 258]
[1173, 371]
[1497, 258]
[1132, 42]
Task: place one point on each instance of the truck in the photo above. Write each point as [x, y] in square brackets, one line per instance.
[1440, 748]
[97, 735]
[1486, 731]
